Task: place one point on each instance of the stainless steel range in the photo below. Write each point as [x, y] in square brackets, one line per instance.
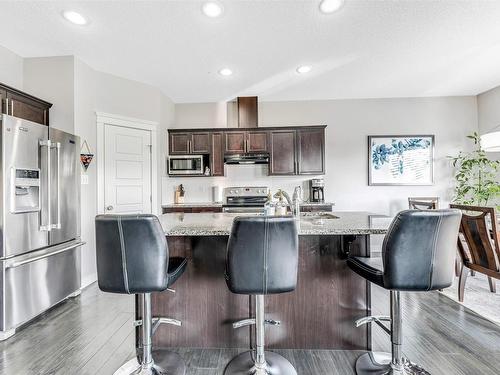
[245, 199]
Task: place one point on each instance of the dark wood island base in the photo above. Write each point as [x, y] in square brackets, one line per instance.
[319, 314]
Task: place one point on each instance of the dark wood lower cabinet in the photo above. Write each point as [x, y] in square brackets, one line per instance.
[317, 208]
[190, 209]
[319, 314]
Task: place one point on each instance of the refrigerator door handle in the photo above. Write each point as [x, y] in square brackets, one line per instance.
[57, 146]
[47, 227]
[34, 259]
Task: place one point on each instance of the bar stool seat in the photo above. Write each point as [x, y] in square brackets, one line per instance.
[417, 255]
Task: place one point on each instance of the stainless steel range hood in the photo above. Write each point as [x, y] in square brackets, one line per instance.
[246, 159]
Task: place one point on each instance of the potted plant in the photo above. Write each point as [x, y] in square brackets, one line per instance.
[477, 177]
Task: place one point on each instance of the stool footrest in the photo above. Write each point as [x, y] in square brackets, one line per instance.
[157, 321]
[378, 319]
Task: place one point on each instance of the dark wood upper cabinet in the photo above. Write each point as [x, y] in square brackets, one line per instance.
[235, 142]
[179, 143]
[19, 104]
[200, 143]
[292, 150]
[311, 151]
[282, 152]
[256, 141]
[217, 154]
[189, 143]
[240, 142]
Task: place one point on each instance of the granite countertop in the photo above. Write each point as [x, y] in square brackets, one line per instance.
[219, 224]
[219, 204]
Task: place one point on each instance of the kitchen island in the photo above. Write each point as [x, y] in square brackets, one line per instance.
[319, 314]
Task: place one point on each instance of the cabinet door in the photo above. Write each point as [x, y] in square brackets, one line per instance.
[217, 155]
[179, 143]
[311, 151]
[200, 143]
[235, 142]
[282, 152]
[28, 109]
[3, 103]
[257, 142]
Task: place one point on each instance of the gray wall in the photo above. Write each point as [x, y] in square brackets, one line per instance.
[52, 79]
[77, 92]
[11, 68]
[349, 123]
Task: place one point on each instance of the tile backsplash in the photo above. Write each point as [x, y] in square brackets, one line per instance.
[200, 189]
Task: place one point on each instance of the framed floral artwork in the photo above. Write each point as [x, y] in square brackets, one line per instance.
[400, 160]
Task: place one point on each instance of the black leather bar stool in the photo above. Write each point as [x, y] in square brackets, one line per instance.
[418, 254]
[262, 258]
[132, 258]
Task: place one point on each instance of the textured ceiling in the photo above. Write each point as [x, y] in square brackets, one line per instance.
[370, 49]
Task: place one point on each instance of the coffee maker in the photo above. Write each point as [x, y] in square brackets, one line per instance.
[317, 190]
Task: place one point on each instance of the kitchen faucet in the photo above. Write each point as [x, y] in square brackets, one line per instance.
[293, 208]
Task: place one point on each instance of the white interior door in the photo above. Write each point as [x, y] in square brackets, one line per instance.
[127, 170]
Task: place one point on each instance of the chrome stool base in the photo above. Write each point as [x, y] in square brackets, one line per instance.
[244, 364]
[165, 363]
[377, 363]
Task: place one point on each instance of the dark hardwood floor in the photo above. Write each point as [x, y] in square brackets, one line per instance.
[93, 334]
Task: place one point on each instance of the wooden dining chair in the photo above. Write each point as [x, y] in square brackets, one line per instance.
[423, 203]
[478, 245]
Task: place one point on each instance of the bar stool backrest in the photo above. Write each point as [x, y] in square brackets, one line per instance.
[132, 254]
[262, 255]
[419, 250]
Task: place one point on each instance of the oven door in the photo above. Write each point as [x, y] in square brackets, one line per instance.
[185, 165]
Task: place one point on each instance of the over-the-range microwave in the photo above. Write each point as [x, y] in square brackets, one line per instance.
[186, 165]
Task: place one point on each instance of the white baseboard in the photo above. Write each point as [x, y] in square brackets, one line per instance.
[89, 279]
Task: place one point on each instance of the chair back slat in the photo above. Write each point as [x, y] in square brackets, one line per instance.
[423, 203]
[478, 242]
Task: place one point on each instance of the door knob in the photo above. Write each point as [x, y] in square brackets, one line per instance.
[109, 208]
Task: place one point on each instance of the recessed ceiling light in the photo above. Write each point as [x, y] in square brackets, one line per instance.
[330, 6]
[75, 17]
[225, 72]
[212, 9]
[303, 69]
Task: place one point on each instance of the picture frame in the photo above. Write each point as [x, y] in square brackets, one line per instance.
[399, 160]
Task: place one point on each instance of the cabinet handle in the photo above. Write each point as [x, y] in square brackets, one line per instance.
[248, 146]
[6, 106]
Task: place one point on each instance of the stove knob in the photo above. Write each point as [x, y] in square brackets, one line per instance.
[233, 192]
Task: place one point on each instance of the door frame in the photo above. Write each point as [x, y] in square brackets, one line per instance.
[104, 119]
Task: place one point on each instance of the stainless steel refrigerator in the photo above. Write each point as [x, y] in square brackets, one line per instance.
[39, 220]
